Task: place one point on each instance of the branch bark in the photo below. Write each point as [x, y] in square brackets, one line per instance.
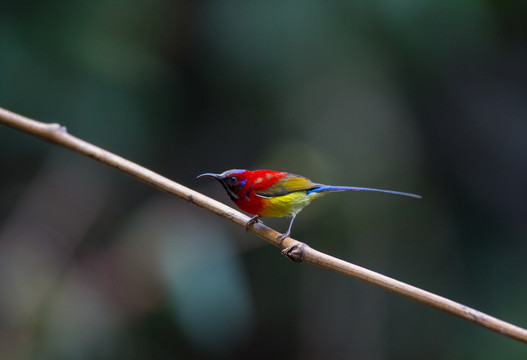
[300, 252]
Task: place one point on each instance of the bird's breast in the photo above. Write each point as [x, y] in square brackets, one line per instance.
[277, 206]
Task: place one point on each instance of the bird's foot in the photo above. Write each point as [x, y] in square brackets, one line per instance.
[282, 237]
[252, 221]
[295, 252]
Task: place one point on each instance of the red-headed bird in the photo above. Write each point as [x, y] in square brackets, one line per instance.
[268, 193]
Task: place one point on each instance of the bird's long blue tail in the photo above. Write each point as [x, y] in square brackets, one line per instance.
[329, 188]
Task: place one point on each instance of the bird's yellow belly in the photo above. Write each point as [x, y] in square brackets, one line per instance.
[286, 205]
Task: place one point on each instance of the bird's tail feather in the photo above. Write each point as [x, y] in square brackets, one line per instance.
[329, 188]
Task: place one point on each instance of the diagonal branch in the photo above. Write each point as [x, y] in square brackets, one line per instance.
[57, 135]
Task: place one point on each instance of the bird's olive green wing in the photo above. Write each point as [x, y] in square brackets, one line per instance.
[287, 185]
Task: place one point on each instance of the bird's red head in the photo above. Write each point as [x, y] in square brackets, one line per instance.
[232, 180]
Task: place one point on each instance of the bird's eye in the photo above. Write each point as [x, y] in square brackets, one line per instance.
[233, 179]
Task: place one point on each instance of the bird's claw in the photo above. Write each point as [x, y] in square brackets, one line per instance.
[282, 237]
[252, 221]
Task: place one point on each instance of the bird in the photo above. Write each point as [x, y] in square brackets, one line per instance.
[269, 193]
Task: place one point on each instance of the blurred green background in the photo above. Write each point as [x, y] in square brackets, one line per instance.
[424, 97]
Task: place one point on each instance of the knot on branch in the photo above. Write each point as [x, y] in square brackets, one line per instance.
[295, 252]
[56, 127]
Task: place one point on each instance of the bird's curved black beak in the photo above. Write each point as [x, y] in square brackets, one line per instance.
[214, 176]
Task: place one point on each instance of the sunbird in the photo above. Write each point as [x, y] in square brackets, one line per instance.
[268, 193]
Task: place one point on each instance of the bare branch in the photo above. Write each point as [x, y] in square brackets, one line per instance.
[295, 250]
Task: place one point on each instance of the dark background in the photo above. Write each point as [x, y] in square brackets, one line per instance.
[424, 97]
